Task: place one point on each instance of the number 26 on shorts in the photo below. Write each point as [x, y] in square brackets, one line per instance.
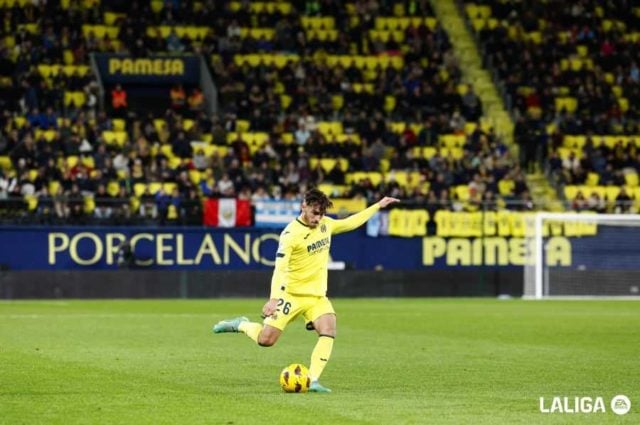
[286, 306]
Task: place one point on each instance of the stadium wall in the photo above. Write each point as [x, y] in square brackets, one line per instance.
[222, 284]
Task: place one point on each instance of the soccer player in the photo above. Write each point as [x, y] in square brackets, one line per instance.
[299, 282]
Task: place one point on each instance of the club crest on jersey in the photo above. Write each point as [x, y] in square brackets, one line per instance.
[323, 228]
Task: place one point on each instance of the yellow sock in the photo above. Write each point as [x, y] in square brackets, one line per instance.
[251, 329]
[320, 356]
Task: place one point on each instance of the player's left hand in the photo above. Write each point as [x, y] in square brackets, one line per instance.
[387, 200]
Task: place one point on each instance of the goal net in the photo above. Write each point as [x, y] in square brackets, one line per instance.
[582, 255]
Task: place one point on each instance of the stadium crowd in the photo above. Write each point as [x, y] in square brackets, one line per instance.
[570, 74]
[377, 108]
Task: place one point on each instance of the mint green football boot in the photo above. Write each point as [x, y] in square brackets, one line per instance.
[230, 325]
[316, 387]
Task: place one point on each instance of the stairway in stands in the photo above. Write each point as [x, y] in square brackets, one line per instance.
[495, 112]
[471, 64]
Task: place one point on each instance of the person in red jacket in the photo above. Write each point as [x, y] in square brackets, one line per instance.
[119, 101]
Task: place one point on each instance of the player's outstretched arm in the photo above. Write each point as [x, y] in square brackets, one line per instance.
[357, 220]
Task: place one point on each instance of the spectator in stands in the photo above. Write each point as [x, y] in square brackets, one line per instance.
[119, 101]
[196, 101]
[174, 43]
[623, 202]
[200, 160]
[181, 147]
[302, 135]
[191, 209]
[45, 210]
[596, 204]
[178, 97]
[174, 207]
[75, 202]
[225, 186]
[471, 105]
[103, 206]
[260, 194]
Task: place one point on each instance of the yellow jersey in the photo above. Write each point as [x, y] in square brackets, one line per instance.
[303, 254]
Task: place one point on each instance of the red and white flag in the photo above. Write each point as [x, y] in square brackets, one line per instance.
[227, 212]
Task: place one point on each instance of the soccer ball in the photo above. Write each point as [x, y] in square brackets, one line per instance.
[295, 378]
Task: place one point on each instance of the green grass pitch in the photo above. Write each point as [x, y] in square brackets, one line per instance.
[395, 361]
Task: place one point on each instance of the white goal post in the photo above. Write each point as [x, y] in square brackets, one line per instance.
[604, 256]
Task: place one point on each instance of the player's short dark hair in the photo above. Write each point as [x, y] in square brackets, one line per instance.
[317, 198]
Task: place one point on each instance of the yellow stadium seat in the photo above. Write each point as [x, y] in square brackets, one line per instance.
[19, 121]
[568, 103]
[157, 6]
[5, 163]
[113, 188]
[169, 187]
[89, 204]
[575, 141]
[242, 125]
[612, 192]
[115, 137]
[398, 127]
[194, 176]
[32, 202]
[283, 7]
[624, 104]
[167, 151]
[315, 162]
[164, 30]
[351, 138]
[472, 10]
[345, 60]
[45, 70]
[455, 153]
[285, 101]
[259, 138]
[428, 152]
[592, 179]
[506, 187]
[389, 103]
[478, 24]
[67, 57]
[74, 98]
[110, 18]
[154, 187]
[380, 23]
[570, 191]
[72, 161]
[416, 128]
[358, 176]
[119, 124]
[452, 140]
[160, 124]
[88, 161]
[397, 62]
[337, 102]
[187, 124]
[463, 192]
[631, 179]
[287, 138]
[32, 28]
